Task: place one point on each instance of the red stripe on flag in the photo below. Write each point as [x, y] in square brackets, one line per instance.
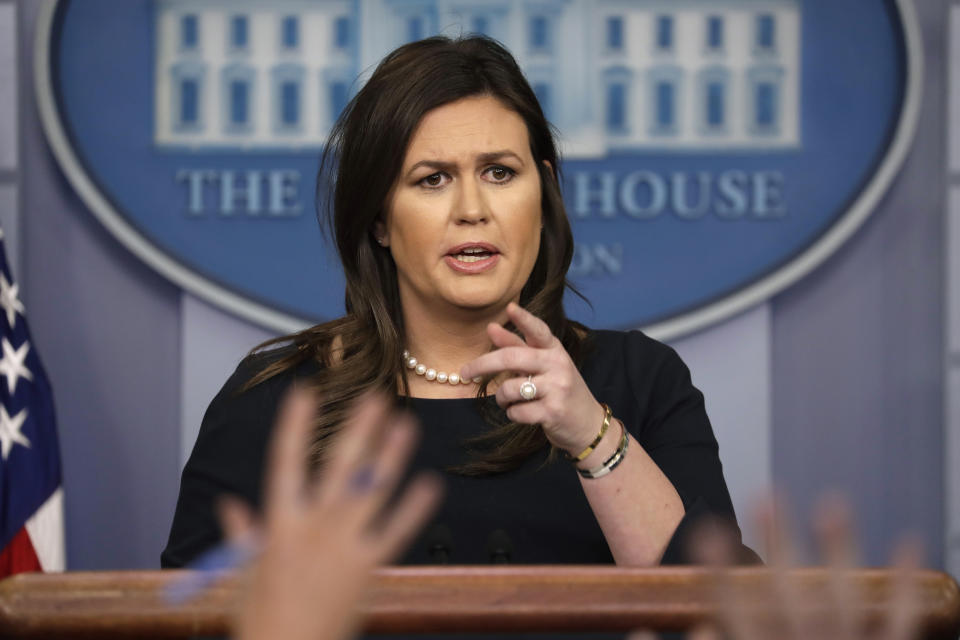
[19, 556]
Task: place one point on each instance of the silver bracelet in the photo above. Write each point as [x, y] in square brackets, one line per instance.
[610, 463]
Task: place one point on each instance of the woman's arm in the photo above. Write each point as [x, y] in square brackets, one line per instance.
[638, 507]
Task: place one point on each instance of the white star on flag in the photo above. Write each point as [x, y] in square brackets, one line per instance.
[10, 301]
[10, 431]
[11, 364]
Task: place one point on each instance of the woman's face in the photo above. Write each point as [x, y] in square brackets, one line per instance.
[463, 219]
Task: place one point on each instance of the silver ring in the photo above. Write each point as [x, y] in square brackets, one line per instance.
[528, 390]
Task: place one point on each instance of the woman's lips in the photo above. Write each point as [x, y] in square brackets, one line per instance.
[472, 264]
[472, 257]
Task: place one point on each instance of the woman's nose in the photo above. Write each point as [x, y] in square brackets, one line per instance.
[471, 205]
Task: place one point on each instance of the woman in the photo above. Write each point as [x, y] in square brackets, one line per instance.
[448, 219]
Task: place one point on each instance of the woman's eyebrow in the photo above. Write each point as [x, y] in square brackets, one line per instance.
[438, 165]
[493, 156]
[483, 158]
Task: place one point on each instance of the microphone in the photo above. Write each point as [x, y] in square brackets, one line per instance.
[440, 544]
[499, 547]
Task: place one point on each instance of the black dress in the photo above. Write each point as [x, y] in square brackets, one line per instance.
[536, 514]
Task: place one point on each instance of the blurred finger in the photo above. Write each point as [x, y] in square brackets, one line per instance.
[387, 470]
[790, 600]
[417, 503]
[286, 461]
[703, 632]
[535, 330]
[906, 607]
[353, 445]
[776, 524]
[236, 518]
[713, 545]
[241, 546]
[833, 525]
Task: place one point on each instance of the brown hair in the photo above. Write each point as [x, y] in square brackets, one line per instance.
[364, 155]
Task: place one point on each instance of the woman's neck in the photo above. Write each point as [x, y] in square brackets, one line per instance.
[445, 342]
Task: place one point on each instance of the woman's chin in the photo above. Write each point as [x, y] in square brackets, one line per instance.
[479, 300]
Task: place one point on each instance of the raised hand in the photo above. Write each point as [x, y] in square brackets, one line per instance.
[788, 606]
[319, 540]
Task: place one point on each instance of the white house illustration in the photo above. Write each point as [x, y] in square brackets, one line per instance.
[612, 75]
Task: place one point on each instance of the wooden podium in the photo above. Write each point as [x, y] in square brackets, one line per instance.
[439, 599]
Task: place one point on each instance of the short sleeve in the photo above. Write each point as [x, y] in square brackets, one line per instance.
[228, 458]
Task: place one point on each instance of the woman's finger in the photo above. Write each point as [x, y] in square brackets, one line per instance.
[417, 503]
[286, 460]
[509, 392]
[525, 412]
[520, 359]
[503, 338]
[535, 330]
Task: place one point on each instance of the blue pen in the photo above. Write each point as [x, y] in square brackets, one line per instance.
[208, 568]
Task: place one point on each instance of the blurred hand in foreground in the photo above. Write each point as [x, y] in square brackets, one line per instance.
[790, 605]
[319, 540]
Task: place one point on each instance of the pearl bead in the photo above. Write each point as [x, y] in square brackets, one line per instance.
[442, 377]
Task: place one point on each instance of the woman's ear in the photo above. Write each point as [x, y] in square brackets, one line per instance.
[550, 166]
[380, 234]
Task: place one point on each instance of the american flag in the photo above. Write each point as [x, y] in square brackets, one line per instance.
[31, 496]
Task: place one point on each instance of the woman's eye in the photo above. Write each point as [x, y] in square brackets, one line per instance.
[433, 180]
[500, 174]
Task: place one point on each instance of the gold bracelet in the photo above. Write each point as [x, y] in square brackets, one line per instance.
[613, 461]
[607, 413]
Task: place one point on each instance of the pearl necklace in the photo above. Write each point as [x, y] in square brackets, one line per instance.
[432, 374]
